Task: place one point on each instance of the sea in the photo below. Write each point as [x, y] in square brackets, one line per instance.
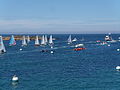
[91, 69]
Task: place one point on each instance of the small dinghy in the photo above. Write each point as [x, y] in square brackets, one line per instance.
[15, 78]
[51, 40]
[79, 45]
[43, 42]
[24, 41]
[2, 47]
[118, 68]
[12, 41]
[75, 39]
[37, 41]
[69, 39]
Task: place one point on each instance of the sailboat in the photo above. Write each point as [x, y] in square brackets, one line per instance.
[51, 40]
[37, 41]
[108, 38]
[2, 47]
[75, 39]
[12, 41]
[28, 39]
[24, 41]
[46, 39]
[69, 40]
[43, 41]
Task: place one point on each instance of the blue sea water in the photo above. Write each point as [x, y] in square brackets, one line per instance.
[66, 69]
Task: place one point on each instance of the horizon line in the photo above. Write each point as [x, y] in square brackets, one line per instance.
[49, 33]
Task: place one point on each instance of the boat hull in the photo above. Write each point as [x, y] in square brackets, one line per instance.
[2, 51]
[37, 44]
[79, 49]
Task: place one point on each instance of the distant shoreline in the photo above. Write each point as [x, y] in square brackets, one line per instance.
[19, 37]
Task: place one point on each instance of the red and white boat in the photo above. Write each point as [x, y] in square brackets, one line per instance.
[79, 49]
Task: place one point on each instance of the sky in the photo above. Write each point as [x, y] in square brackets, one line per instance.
[60, 16]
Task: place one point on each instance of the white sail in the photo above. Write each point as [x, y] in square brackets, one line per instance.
[37, 41]
[24, 41]
[2, 47]
[12, 41]
[69, 40]
[43, 41]
[46, 39]
[75, 39]
[50, 40]
[28, 39]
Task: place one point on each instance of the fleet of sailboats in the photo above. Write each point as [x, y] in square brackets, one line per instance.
[2, 47]
[12, 41]
[44, 41]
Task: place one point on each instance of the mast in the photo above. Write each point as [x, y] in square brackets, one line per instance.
[37, 41]
[2, 47]
[24, 41]
[12, 41]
